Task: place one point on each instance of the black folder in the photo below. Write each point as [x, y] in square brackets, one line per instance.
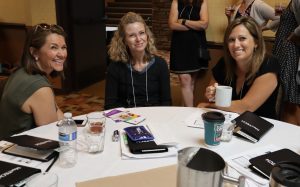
[251, 127]
[142, 147]
[32, 147]
[264, 164]
[33, 142]
[11, 174]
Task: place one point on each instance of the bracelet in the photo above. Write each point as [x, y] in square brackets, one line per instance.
[183, 22]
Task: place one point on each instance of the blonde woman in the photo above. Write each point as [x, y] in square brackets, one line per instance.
[136, 77]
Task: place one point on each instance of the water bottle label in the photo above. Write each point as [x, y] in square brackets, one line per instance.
[67, 137]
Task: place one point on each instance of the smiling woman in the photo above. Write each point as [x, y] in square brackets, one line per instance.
[245, 67]
[136, 77]
[28, 100]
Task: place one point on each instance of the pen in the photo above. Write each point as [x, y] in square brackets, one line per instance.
[115, 136]
[125, 139]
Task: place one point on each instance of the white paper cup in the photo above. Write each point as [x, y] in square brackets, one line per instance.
[223, 96]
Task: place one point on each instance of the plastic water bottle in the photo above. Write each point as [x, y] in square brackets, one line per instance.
[67, 134]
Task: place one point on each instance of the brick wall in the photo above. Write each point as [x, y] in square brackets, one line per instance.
[160, 27]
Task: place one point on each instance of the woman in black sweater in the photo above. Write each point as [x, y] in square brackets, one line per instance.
[136, 77]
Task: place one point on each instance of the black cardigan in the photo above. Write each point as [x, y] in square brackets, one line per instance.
[119, 89]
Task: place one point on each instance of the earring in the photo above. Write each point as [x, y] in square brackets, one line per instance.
[36, 58]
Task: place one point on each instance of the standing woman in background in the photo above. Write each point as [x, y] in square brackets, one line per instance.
[28, 99]
[262, 13]
[188, 20]
[287, 49]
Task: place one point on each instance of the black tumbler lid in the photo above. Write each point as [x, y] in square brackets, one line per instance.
[213, 116]
[287, 173]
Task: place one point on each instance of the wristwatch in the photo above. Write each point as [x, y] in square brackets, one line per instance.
[183, 21]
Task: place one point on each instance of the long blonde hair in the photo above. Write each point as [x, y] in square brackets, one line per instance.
[258, 53]
[118, 51]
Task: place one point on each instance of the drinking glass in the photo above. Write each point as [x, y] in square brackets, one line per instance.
[95, 132]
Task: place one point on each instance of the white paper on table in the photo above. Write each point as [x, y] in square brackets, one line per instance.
[239, 165]
[126, 154]
[161, 135]
[195, 119]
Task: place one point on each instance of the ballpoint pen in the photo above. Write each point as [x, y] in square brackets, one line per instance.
[125, 139]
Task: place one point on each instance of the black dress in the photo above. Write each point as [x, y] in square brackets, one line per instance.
[287, 53]
[184, 56]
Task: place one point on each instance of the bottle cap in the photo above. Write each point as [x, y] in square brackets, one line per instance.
[68, 115]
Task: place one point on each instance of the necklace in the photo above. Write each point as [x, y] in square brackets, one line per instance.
[133, 90]
[184, 9]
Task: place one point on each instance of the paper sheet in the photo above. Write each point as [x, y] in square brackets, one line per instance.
[239, 165]
[195, 119]
[162, 135]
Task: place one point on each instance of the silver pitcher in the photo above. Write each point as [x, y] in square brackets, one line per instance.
[285, 174]
[209, 172]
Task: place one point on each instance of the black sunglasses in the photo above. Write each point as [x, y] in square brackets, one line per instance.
[46, 27]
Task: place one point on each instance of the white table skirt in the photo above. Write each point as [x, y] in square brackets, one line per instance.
[109, 162]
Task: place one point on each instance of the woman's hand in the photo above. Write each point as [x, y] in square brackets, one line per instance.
[210, 92]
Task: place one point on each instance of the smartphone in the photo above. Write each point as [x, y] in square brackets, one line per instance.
[80, 122]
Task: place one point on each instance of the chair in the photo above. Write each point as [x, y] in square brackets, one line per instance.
[3, 80]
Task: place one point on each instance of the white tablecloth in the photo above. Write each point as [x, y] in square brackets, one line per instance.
[109, 162]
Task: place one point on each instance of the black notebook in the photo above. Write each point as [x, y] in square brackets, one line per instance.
[11, 174]
[143, 147]
[32, 147]
[251, 127]
[30, 153]
[263, 164]
[33, 142]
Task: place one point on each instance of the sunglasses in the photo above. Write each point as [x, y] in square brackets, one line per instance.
[46, 27]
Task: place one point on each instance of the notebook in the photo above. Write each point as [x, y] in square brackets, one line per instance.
[11, 174]
[142, 147]
[30, 153]
[32, 147]
[263, 164]
[122, 115]
[251, 127]
[33, 142]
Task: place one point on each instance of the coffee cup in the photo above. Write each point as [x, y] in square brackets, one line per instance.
[213, 126]
[223, 96]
